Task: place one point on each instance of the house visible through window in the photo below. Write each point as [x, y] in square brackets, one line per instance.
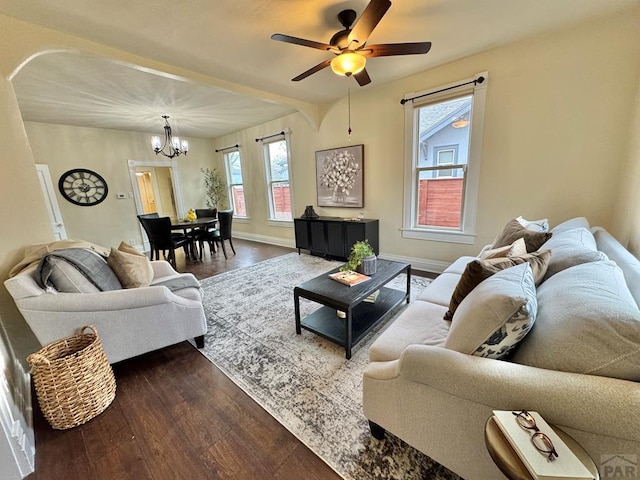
[233, 167]
[276, 155]
[445, 156]
[442, 163]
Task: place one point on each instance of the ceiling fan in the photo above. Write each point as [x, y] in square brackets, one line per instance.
[350, 45]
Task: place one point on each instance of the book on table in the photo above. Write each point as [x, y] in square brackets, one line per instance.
[349, 277]
[373, 297]
[565, 466]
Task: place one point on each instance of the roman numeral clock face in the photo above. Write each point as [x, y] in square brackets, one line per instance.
[83, 187]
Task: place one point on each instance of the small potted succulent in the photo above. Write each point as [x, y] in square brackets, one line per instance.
[361, 259]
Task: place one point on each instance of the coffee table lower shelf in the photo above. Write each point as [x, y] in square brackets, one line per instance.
[364, 317]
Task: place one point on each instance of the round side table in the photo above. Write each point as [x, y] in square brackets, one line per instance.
[508, 461]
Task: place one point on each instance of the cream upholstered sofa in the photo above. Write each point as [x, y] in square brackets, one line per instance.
[578, 366]
[129, 321]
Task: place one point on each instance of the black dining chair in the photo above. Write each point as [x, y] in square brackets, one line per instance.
[141, 218]
[161, 238]
[220, 234]
[206, 212]
[154, 215]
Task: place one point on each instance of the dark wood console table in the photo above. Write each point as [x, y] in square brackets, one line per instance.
[332, 237]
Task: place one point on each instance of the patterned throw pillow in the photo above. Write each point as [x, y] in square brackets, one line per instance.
[514, 230]
[478, 270]
[496, 315]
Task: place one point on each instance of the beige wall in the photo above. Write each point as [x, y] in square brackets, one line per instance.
[560, 140]
[107, 152]
[556, 135]
[556, 139]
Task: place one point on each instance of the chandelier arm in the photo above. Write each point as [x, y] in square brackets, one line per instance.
[173, 151]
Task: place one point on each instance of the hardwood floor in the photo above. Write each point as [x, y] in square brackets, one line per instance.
[176, 416]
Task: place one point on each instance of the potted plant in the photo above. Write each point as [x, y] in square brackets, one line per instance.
[216, 188]
[361, 259]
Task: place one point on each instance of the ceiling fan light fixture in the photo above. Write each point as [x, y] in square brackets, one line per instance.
[348, 63]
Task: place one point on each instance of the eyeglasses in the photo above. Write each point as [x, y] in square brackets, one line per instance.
[540, 440]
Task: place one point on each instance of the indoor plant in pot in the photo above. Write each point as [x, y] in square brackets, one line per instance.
[215, 187]
[361, 259]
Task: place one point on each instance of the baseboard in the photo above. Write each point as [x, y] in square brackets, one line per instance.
[254, 237]
[423, 264]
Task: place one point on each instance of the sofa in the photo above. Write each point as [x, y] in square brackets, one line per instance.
[576, 359]
[150, 307]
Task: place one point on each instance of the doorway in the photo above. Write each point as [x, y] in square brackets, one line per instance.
[156, 189]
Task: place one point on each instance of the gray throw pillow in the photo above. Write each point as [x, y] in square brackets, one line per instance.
[571, 247]
[64, 270]
[587, 323]
[64, 277]
[496, 315]
[577, 222]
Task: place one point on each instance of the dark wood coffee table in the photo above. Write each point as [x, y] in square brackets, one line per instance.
[361, 316]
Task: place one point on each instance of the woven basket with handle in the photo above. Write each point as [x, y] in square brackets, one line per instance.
[73, 379]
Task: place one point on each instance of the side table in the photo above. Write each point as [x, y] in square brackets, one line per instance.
[508, 461]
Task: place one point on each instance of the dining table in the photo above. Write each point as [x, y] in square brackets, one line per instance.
[191, 228]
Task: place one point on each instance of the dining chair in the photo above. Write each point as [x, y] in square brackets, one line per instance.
[142, 217]
[206, 212]
[220, 234]
[161, 238]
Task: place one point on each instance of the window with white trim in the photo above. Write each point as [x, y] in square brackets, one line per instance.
[277, 167]
[443, 144]
[235, 182]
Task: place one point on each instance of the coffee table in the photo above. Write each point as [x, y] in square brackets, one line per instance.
[360, 316]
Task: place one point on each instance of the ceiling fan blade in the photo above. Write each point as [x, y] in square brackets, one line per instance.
[371, 16]
[301, 41]
[390, 49]
[312, 70]
[362, 78]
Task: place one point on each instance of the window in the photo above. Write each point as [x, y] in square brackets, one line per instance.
[276, 154]
[233, 167]
[443, 135]
[445, 156]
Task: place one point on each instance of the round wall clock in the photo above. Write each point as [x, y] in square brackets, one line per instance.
[83, 187]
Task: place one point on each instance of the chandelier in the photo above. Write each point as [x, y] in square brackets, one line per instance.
[175, 146]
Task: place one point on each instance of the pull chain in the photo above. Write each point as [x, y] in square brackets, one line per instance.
[349, 112]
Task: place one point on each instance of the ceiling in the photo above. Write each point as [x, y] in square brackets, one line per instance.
[230, 42]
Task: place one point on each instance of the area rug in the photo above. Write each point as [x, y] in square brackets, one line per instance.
[303, 381]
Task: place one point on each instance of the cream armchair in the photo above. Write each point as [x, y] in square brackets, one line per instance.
[130, 322]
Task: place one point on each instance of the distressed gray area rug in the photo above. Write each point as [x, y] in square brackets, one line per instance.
[303, 381]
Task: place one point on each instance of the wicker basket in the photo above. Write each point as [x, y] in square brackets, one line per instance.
[73, 378]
